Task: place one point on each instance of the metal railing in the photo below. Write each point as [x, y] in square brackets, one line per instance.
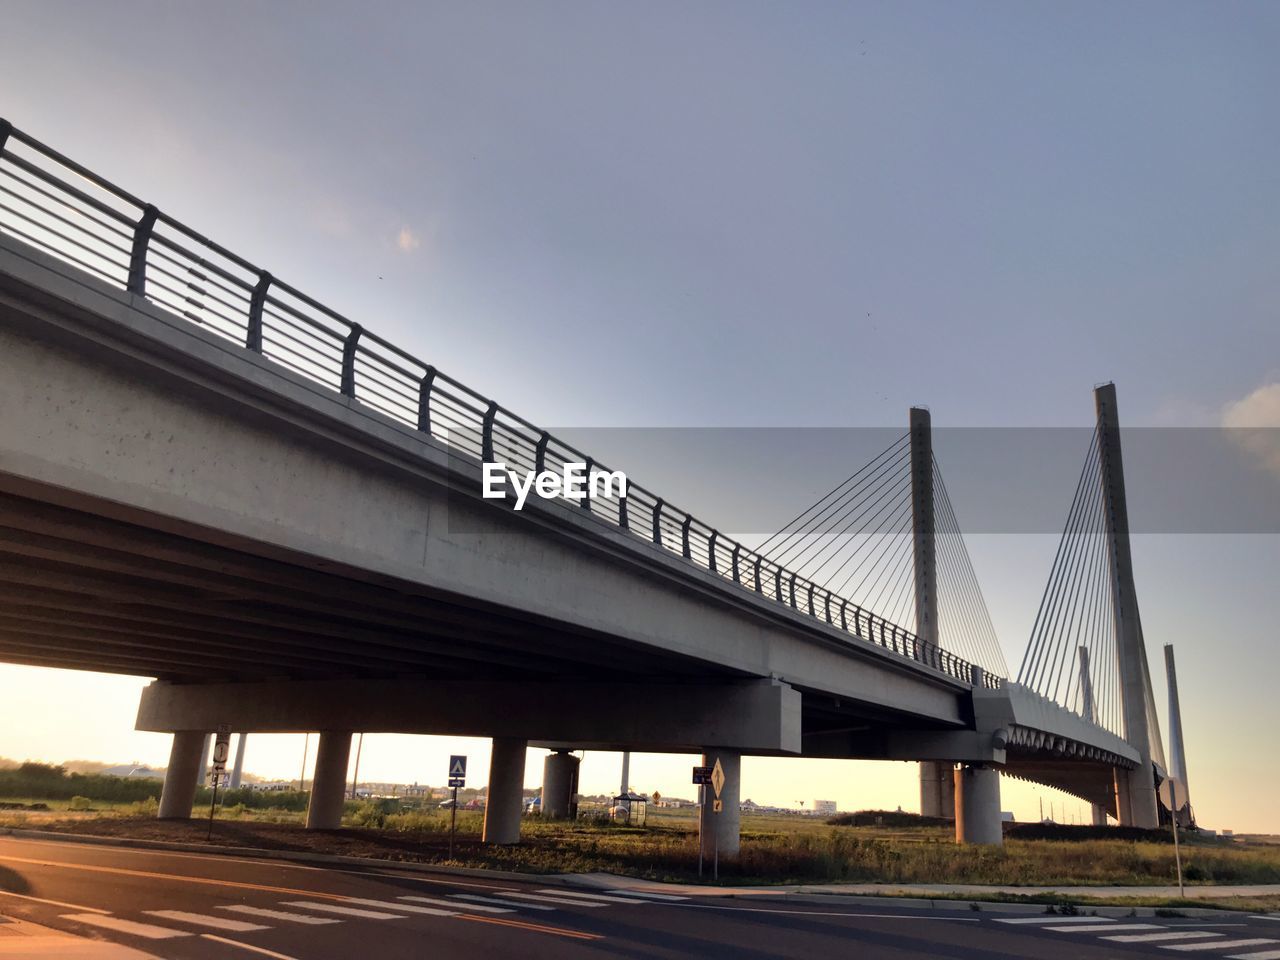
[61, 207]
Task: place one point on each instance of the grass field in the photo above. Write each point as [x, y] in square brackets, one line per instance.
[775, 849]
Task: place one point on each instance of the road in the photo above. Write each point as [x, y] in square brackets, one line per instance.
[188, 906]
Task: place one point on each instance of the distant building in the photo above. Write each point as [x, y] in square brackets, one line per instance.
[824, 808]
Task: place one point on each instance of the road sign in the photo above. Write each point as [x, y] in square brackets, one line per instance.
[221, 747]
[717, 806]
[701, 774]
[457, 767]
[457, 782]
[717, 778]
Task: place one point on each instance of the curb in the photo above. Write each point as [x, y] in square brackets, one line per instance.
[596, 881]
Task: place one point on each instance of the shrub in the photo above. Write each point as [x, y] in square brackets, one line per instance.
[81, 803]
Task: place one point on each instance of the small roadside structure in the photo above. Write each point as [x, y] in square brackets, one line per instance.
[630, 808]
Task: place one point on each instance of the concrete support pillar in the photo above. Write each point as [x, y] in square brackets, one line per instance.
[506, 790]
[179, 793]
[202, 771]
[978, 805]
[237, 770]
[721, 831]
[559, 785]
[1099, 815]
[329, 781]
[937, 789]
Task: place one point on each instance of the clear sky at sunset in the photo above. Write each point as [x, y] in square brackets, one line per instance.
[749, 215]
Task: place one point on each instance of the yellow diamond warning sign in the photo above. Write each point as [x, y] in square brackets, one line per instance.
[717, 778]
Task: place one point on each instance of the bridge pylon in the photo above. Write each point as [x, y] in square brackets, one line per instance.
[1136, 803]
[937, 780]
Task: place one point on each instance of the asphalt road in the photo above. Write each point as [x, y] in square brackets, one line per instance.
[180, 906]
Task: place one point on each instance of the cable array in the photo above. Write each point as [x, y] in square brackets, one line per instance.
[964, 622]
[1073, 656]
[856, 539]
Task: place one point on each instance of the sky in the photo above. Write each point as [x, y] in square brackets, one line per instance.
[749, 215]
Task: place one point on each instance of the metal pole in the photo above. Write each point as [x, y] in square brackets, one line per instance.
[1177, 853]
[453, 821]
[702, 812]
[212, 803]
[355, 777]
[302, 775]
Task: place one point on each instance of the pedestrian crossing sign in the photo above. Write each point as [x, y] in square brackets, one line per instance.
[457, 767]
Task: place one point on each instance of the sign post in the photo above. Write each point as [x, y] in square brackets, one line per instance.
[457, 778]
[700, 776]
[717, 783]
[221, 747]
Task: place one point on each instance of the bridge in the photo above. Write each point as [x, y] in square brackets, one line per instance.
[210, 478]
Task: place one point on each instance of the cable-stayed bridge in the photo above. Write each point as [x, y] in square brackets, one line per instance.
[211, 478]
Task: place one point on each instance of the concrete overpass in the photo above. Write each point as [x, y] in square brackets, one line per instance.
[289, 545]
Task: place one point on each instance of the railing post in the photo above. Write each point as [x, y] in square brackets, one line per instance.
[791, 592]
[424, 399]
[828, 606]
[138, 258]
[486, 435]
[540, 452]
[684, 537]
[253, 334]
[623, 520]
[777, 584]
[657, 522]
[844, 624]
[5, 129]
[736, 548]
[711, 552]
[759, 588]
[585, 503]
[349, 361]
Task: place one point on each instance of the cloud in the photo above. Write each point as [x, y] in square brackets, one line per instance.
[1255, 425]
[407, 240]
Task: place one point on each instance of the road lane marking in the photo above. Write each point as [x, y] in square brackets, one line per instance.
[263, 951]
[450, 903]
[1222, 944]
[506, 903]
[651, 896]
[559, 901]
[1046, 919]
[404, 907]
[1264, 955]
[1161, 937]
[278, 914]
[120, 925]
[348, 911]
[1096, 927]
[152, 875]
[561, 892]
[200, 920]
[534, 927]
[1277, 919]
[826, 913]
[53, 903]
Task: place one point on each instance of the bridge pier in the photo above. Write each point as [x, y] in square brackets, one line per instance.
[185, 765]
[506, 790]
[559, 785]
[237, 770]
[977, 792]
[937, 789]
[721, 832]
[329, 782]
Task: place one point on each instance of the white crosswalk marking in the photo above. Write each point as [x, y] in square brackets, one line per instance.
[561, 892]
[498, 900]
[449, 903]
[1096, 927]
[1222, 944]
[200, 920]
[404, 907]
[278, 914]
[560, 901]
[650, 896]
[345, 911]
[1046, 919]
[147, 930]
[1264, 955]
[1165, 937]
